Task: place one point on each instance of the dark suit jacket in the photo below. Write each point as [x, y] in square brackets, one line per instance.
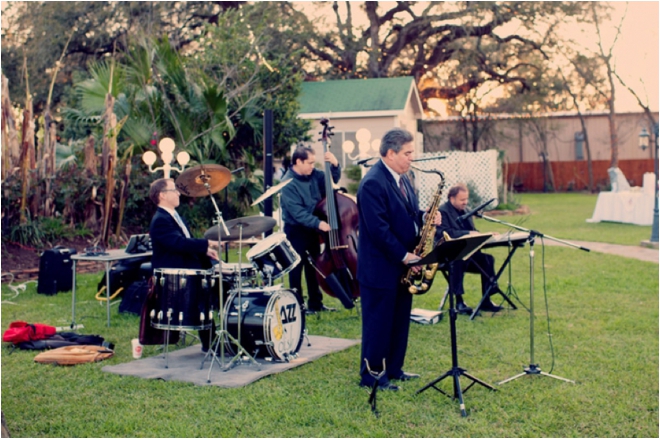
[387, 228]
[454, 227]
[171, 248]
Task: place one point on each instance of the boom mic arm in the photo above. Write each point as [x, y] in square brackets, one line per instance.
[475, 210]
[363, 162]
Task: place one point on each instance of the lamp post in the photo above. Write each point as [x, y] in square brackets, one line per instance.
[166, 147]
[366, 146]
[644, 143]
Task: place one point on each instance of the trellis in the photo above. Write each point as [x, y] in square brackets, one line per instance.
[476, 169]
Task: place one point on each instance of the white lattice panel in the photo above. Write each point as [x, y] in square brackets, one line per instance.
[476, 169]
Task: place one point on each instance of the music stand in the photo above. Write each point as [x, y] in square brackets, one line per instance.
[445, 254]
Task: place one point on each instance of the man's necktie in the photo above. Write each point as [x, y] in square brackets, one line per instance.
[403, 188]
[181, 224]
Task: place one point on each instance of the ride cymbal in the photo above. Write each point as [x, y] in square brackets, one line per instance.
[270, 192]
[251, 225]
[192, 182]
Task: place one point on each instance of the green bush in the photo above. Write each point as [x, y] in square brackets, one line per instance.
[354, 173]
[29, 233]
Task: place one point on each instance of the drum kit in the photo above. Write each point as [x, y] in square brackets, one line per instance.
[256, 317]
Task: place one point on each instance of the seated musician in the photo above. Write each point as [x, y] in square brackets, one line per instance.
[173, 246]
[455, 227]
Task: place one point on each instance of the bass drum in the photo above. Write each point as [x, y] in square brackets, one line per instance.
[272, 322]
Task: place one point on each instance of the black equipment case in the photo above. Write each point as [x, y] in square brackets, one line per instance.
[55, 270]
[124, 273]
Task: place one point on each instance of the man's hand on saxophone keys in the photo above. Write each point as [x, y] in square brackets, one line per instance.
[411, 259]
[437, 220]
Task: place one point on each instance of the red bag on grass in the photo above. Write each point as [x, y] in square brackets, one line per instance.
[20, 331]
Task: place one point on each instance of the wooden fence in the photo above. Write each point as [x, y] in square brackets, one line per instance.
[528, 177]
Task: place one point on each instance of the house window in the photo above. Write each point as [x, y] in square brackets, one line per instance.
[579, 145]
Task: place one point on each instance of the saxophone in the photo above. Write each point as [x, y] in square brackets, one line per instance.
[420, 283]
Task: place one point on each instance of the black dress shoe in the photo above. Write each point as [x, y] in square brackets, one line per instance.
[386, 386]
[462, 308]
[407, 376]
[489, 306]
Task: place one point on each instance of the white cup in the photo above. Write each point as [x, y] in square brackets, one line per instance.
[137, 348]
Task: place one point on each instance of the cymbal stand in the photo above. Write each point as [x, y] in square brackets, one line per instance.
[240, 349]
[222, 333]
[279, 216]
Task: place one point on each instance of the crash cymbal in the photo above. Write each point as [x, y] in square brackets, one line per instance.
[271, 191]
[191, 182]
[252, 226]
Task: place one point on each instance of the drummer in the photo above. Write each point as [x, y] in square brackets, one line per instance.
[299, 198]
[173, 246]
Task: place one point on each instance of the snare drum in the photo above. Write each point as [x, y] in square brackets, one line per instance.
[183, 299]
[272, 322]
[231, 273]
[274, 256]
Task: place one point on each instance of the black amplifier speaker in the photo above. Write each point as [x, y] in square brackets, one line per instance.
[55, 270]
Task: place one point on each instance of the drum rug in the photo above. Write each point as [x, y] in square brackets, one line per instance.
[184, 364]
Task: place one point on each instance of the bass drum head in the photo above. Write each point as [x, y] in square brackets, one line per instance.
[284, 325]
[272, 322]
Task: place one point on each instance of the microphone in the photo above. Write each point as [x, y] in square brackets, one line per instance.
[363, 161]
[475, 210]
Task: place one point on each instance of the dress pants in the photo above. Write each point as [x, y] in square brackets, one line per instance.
[479, 259]
[385, 326]
[305, 240]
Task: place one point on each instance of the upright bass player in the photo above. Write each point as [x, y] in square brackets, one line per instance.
[301, 226]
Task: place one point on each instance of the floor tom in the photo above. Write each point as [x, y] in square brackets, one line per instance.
[183, 299]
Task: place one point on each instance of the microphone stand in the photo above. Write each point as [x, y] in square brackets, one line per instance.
[533, 368]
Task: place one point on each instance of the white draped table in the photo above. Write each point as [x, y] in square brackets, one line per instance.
[633, 207]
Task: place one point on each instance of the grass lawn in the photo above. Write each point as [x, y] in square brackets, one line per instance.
[601, 311]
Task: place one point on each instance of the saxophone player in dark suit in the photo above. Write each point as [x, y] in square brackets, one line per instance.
[390, 221]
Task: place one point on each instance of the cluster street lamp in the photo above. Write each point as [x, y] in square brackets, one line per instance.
[644, 143]
[366, 146]
[166, 147]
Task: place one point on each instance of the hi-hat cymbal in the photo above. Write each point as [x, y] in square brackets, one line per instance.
[271, 191]
[192, 182]
[251, 226]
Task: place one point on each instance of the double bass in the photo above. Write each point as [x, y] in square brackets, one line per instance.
[336, 265]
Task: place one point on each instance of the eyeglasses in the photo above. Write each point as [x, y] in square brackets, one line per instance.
[171, 190]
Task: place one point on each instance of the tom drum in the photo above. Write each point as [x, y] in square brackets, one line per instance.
[274, 256]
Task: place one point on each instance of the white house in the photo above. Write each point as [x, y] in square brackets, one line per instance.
[376, 105]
